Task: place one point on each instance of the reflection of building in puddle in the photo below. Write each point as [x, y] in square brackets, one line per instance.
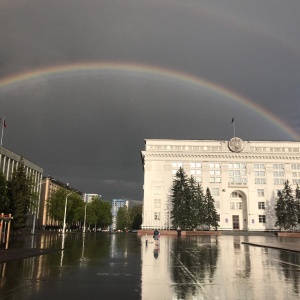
[118, 246]
[156, 282]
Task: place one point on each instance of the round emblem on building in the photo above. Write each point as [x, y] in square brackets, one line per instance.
[236, 144]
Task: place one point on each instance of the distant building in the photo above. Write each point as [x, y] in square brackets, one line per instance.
[9, 161]
[243, 177]
[49, 186]
[87, 198]
[115, 205]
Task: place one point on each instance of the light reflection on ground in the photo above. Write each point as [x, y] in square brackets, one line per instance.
[123, 266]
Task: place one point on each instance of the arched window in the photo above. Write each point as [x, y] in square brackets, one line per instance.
[236, 195]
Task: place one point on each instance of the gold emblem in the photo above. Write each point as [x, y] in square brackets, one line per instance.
[236, 144]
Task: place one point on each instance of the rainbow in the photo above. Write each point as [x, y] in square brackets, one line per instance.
[142, 70]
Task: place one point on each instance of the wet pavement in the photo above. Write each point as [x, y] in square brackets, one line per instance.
[124, 266]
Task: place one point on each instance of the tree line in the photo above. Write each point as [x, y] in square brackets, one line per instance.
[191, 208]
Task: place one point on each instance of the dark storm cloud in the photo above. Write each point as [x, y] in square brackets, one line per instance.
[88, 129]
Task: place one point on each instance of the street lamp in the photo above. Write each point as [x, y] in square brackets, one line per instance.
[66, 203]
[35, 208]
[84, 223]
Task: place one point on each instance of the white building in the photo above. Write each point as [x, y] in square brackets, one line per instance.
[243, 177]
[115, 205]
[87, 198]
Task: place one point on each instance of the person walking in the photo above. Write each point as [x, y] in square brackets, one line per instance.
[156, 236]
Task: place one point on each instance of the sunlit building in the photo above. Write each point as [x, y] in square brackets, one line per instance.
[49, 186]
[243, 177]
[87, 198]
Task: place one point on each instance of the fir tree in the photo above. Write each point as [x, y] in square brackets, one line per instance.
[210, 210]
[4, 201]
[297, 201]
[286, 208]
[19, 193]
[179, 199]
[192, 205]
[200, 208]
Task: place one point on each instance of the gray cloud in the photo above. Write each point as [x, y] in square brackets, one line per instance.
[88, 128]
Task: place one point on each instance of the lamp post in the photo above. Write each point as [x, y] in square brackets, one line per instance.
[35, 208]
[84, 223]
[66, 203]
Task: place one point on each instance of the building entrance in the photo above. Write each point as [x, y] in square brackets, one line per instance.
[235, 222]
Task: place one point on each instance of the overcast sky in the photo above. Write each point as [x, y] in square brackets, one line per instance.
[86, 126]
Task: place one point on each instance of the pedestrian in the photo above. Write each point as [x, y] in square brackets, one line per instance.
[156, 236]
[146, 239]
[178, 231]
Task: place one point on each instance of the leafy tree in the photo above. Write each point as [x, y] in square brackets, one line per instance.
[75, 209]
[286, 208]
[123, 221]
[99, 213]
[19, 193]
[105, 216]
[211, 218]
[56, 205]
[179, 199]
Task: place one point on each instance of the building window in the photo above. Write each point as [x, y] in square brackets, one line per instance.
[157, 190]
[218, 218]
[237, 173]
[215, 192]
[176, 166]
[157, 203]
[235, 205]
[260, 180]
[278, 174]
[196, 171]
[259, 166]
[278, 166]
[217, 204]
[261, 205]
[262, 219]
[157, 216]
[296, 181]
[260, 192]
[215, 172]
[214, 165]
[236, 195]
[279, 181]
[295, 166]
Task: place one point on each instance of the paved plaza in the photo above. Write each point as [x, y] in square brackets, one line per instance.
[128, 266]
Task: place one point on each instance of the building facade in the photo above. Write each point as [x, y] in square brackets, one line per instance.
[9, 161]
[87, 198]
[49, 186]
[115, 206]
[243, 177]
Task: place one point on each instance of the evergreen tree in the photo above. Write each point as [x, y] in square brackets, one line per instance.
[286, 208]
[179, 199]
[200, 206]
[19, 193]
[4, 200]
[210, 211]
[297, 201]
[191, 204]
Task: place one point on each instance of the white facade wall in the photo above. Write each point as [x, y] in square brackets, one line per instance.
[247, 175]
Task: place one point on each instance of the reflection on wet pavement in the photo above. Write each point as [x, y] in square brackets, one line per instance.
[124, 266]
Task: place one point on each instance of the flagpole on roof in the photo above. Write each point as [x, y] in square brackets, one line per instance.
[232, 122]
